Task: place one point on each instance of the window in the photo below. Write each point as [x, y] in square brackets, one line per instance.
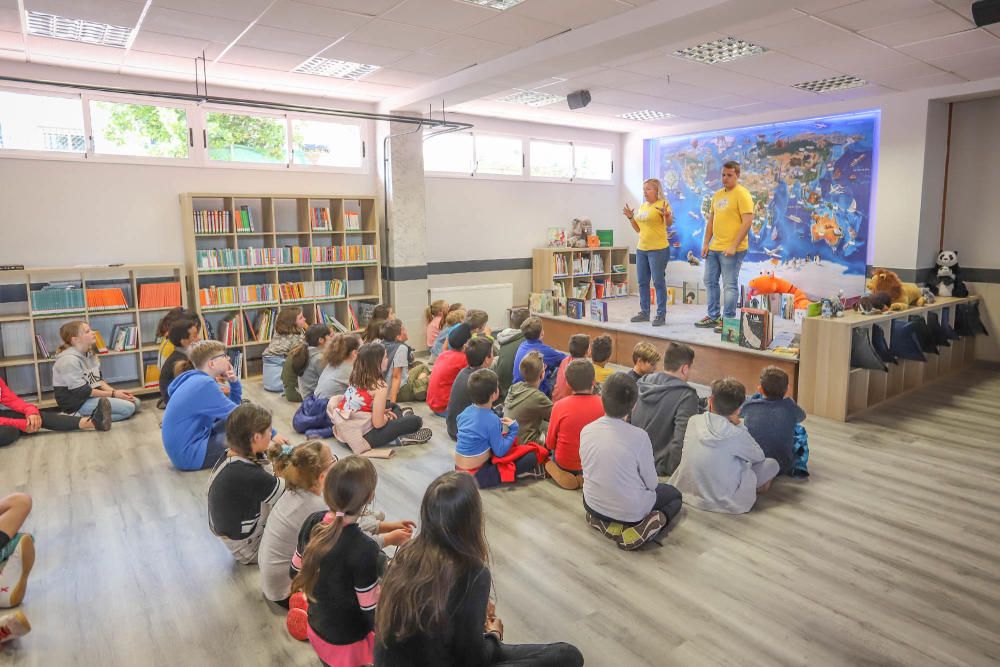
[499, 155]
[41, 123]
[592, 163]
[450, 152]
[139, 129]
[236, 137]
[323, 144]
[551, 160]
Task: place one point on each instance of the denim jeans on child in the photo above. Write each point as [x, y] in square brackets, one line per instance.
[652, 264]
[728, 267]
[121, 409]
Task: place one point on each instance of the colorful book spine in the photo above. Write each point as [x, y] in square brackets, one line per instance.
[319, 219]
[244, 220]
[250, 294]
[112, 298]
[56, 297]
[159, 295]
[218, 296]
[352, 221]
[212, 222]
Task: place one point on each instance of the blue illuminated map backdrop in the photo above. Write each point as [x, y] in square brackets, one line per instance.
[811, 182]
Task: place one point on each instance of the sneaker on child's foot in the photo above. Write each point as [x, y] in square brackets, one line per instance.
[708, 322]
[635, 536]
[418, 438]
[641, 317]
[298, 601]
[610, 529]
[297, 623]
[406, 411]
[101, 416]
[13, 625]
[14, 571]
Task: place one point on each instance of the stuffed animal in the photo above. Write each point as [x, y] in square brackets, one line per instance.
[872, 304]
[902, 295]
[582, 228]
[947, 282]
[928, 294]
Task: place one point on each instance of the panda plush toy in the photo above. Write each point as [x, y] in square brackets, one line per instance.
[947, 281]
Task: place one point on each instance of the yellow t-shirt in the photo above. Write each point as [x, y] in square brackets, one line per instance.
[652, 229]
[729, 208]
[602, 373]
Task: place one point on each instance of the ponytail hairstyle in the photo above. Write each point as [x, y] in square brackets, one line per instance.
[379, 315]
[300, 353]
[367, 372]
[301, 466]
[174, 314]
[243, 423]
[68, 332]
[339, 348]
[437, 310]
[450, 546]
[284, 323]
[349, 486]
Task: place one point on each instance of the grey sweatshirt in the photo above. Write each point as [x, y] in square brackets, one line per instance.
[665, 405]
[73, 375]
[530, 408]
[715, 472]
[310, 376]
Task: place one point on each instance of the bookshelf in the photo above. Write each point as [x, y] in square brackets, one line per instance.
[248, 255]
[573, 270]
[122, 302]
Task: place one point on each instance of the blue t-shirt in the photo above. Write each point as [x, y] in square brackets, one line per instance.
[550, 356]
[772, 425]
[480, 430]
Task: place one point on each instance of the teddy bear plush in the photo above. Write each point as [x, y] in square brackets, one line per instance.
[903, 295]
[582, 228]
[947, 282]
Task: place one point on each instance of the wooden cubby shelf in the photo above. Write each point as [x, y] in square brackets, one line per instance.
[570, 269]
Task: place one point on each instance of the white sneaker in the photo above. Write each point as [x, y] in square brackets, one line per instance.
[14, 571]
[13, 625]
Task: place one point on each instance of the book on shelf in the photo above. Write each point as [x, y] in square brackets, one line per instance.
[263, 325]
[319, 219]
[560, 267]
[212, 222]
[160, 295]
[364, 312]
[731, 330]
[598, 264]
[600, 288]
[613, 288]
[618, 268]
[43, 349]
[151, 376]
[581, 264]
[535, 302]
[353, 319]
[58, 297]
[245, 220]
[556, 237]
[251, 294]
[352, 221]
[124, 337]
[231, 330]
[576, 308]
[335, 323]
[599, 310]
[236, 358]
[110, 298]
[99, 344]
[218, 296]
[582, 290]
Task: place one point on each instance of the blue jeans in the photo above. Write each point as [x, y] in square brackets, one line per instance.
[216, 446]
[716, 264]
[652, 263]
[121, 409]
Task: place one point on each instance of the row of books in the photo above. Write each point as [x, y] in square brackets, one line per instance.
[319, 219]
[560, 265]
[160, 295]
[124, 337]
[58, 296]
[210, 297]
[604, 289]
[244, 258]
[108, 298]
[597, 264]
[244, 220]
[581, 264]
[236, 359]
[319, 289]
[212, 222]
[780, 305]
[232, 329]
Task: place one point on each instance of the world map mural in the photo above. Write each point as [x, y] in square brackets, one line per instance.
[812, 186]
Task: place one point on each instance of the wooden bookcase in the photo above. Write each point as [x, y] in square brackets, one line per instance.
[829, 387]
[28, 371]
[546, 261]
[282, 222]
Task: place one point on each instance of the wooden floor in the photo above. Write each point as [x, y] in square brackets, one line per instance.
[888, 555]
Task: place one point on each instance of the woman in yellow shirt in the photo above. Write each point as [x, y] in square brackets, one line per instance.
[651, 221]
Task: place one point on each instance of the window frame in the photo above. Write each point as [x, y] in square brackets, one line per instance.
[552, 179]
[360, 123]
[454, 174]
[93, 155]
[594, 181]
[36, 154]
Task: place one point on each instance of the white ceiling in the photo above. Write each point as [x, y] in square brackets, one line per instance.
[471, 56]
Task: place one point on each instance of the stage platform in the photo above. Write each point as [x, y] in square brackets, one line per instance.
[713, 358]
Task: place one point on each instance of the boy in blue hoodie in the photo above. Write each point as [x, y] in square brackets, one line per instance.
[533, 335]
[194, 424]
[772, 418]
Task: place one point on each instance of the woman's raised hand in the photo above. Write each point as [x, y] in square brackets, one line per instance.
[628, 212]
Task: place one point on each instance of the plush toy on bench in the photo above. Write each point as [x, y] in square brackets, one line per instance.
[947, 282]
[903, 295]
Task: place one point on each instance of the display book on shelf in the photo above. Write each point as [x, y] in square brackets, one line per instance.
[317, 252]
[565, 279]
[123, 303]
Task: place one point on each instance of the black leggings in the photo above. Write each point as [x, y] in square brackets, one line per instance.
[394, 428]
[536, 655]
[53, 421]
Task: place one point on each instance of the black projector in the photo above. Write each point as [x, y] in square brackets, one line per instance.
[985, 12]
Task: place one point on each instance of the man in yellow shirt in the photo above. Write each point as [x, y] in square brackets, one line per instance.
[725, 245]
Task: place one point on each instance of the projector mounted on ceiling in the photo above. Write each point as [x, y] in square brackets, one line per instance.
[986, 12]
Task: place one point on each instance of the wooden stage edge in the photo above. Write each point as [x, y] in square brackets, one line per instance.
[711, 362]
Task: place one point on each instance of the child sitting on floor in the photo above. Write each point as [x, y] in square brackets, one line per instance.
[600, 353]
[533, 335]
[525, 404]
[487, 445]
[644, 360]
[380, 314]
[666, 403]
[241, 491]
[182, 335]
[446, 369]
[17, 550]
[579, 346]
[306, 361]
[622, 495]
[435, 314]
[392, 334]
[569, 416]
[339, 355]
[454, 317]
[723, 468]
[76, 377]
[22, 417]
[478, 354]
[289, 330]
[508, 341]
[772, 418]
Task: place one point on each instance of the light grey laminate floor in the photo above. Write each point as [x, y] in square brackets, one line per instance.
[888, 555]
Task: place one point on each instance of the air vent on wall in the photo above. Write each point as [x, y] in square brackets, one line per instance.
[720, 51]
[77, 30]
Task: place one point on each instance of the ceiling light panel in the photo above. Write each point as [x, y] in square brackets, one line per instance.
[338, 69]
[645, 114]
[77, 30]
[495, 4]
[720, 51]
[531, 98]
[830, 84]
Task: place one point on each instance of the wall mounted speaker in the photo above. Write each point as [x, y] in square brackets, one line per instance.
[579, 99]
[985, 12]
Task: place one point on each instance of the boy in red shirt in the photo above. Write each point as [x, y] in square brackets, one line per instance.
[569, 416]
[446, 369]
[579, 346]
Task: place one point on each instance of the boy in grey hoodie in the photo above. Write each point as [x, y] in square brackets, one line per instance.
[666, 403]
[723, 468]
[508, 341]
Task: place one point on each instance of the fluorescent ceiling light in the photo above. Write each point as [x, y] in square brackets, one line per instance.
[495, 4]
[830, 84]
[645, 114]
[77, 30]
[339, 69]
[720, 51]
[531, 98]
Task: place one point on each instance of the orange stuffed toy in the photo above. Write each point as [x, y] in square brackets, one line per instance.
[902, 295]
[768, 283]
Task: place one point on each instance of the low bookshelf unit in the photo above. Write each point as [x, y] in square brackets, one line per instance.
[582, 273]
[250, 255]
